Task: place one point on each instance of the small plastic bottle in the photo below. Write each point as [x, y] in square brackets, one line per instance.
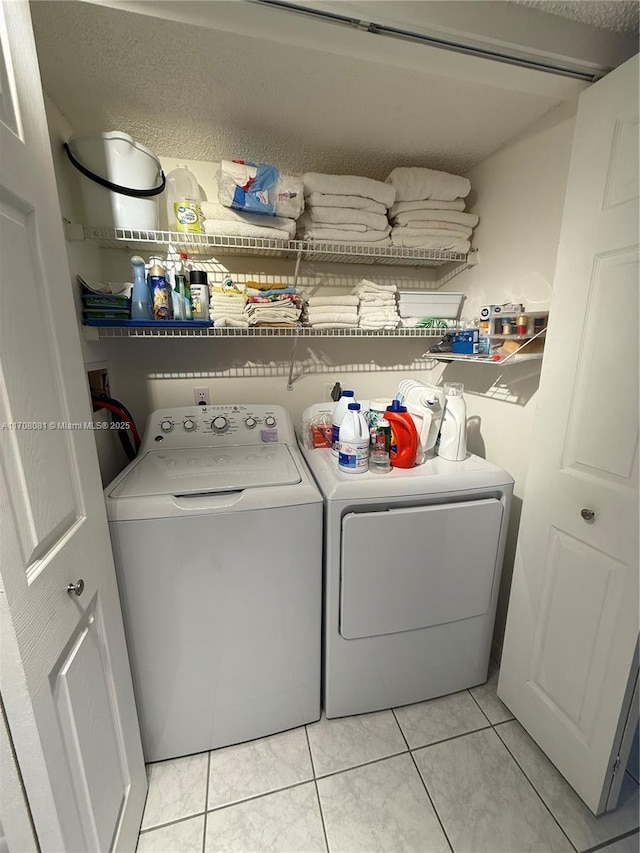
[141, 306]
[339, 411]
[183, 201]
[453, 432]
[159, 287]
[353, 442]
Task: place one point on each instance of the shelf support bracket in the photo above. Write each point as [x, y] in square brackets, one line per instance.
[292, 362]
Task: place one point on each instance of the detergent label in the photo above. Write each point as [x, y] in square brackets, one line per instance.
[186, 215]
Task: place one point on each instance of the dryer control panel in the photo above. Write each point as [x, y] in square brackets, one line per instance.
[206, 426]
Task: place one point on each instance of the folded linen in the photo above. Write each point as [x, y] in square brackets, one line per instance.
[331, 235]
[378, 324]
[399, 237]
[413, 183]
[335, 325]
[426, 204]
[344, 215]
[468, 219]
[226, 311]
[334, 317]
[307, 222]
[353, 201]
[378, 311]
[316, 182]
[366, 284]
[215, 210]
[372, 302]
[224, 228]
[230, 322]
[439, 228]
[347, 299]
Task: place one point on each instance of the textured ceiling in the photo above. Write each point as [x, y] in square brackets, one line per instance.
[202, 94]
[619, 16]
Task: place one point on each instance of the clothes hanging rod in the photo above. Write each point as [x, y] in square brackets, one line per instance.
[589, 76]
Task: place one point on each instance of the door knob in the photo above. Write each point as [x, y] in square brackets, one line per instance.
[76, 588]
[587, 514]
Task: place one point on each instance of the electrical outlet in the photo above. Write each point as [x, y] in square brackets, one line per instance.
[201, 396]
[328, 388]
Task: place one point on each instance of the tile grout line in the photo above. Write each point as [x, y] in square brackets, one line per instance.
[259, 796]
[518, 765]
[605, 844]
[482, 711]
[315, 782]
[424, 784]
[169, 823]
[206, 803]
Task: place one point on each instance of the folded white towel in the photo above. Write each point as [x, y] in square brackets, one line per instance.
[378, 311]
[230, 322]
[335, 325]
[334, 317]
[215, 210]
[372, 302]
[330, 235]
[399, 237]
[468, 219]
[355, 201]
[226, 312]
[347, 299]
[427, 204]
[223, 228]
[340, 215]
[413, 183]
[316, 182]
[287, 195]
[378, 324]
[366, 284]
[439, 228]
[306, 222]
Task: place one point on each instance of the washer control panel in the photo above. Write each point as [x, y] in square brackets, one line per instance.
[206, 426]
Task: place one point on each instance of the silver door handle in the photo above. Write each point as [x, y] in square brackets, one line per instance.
[587, 514]
[76, 588]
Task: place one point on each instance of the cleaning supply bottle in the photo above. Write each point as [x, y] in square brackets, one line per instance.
[159, 287]
[199, 289]
[353, 442]
[183, 201]
[404, 436]
[141, 306]
[339, 411]
[185, 287]
[452, 442]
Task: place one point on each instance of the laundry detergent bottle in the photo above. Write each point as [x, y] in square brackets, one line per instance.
[353, 442]
[339, 411]
[452, 443]
[404, 436]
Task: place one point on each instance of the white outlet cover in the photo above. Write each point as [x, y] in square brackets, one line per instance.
[201, 396]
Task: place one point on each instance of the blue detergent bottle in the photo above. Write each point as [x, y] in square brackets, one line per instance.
[141, 306]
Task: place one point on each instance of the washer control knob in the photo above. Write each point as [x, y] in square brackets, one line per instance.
[220, 424]
[189, 424]
[270, 421]
[250, 423]
[166, 425]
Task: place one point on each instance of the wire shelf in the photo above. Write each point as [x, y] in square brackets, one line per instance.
[105, 332]
[204, 245]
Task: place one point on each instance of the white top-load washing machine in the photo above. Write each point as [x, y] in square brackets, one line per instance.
[217, 535]
[412, 564]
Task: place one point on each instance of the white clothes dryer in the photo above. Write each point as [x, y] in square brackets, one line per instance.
[217, 536]
[412, 564]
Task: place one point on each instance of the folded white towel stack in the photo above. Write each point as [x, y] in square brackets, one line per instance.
[337, 312]
[378, 305]
[346, 209]
[429, 210]
[227, 305]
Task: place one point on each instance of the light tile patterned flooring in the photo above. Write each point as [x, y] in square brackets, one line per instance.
[454, 774]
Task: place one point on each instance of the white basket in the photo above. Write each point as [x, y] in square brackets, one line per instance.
[416, 303]
[118, 159]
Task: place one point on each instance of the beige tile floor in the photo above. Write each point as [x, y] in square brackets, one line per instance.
[454, 774]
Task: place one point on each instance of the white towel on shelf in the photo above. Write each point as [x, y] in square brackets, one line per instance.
[230, 322]
[372, 302]
[351, 228]
[366, 284]
[347, 299]
[226, 312]
[378, 311]
[335, 325]
[413, 183]
[439, 228]
[330, 235]
[316, 182]
[455, 216]
[353, 201]
[422, 240]
[426, 204]
[215, 210]
[341, 215]
[371, 323]
[224, 228]
[334, 317]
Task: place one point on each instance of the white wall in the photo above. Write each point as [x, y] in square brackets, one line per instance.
[519, 195]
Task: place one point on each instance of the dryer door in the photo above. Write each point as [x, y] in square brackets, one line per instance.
[414, 567]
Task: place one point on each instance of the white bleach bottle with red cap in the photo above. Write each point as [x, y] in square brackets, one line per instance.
[339, 411]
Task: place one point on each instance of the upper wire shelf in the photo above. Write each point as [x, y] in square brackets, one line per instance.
[102, 332]
[204, 245]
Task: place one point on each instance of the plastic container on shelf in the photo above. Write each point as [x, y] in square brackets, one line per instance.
[121, 180]
[404, 436]
[141, 305]
[339, 411]
[353, 442]
[452, 442]
[183, 201]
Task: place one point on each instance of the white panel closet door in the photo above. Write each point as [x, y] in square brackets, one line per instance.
[570, 663]
[64, 669]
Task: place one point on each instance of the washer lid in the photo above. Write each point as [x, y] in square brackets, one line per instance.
[208, 469]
